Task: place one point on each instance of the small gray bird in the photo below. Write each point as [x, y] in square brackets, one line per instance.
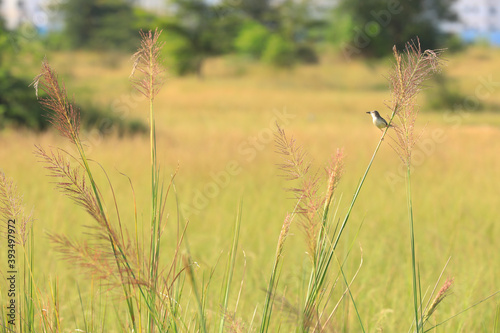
[378, 120]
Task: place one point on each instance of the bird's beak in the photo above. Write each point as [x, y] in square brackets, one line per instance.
[368, 112]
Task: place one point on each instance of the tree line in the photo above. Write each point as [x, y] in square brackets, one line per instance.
[280, 33]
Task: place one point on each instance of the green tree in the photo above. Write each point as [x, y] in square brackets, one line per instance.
[300, 24]
[279, 52]
[18, 105]
[258, 10]
[252, 39]
[380, 24]
[197, 29]
[294, 24]
[100, 24]
[293, 19]
[340, 31]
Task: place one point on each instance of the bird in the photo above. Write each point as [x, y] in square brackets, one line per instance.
[378, 120]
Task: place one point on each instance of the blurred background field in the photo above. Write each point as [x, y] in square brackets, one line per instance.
[215, 128]
[205, 124]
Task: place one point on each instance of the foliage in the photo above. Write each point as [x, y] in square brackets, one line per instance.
[279, 52]
[194, 31]
[259, 42]
[259, 10]
[179, 54]
[18, 106]
[339, 30]
[200, 29]
[445, 95]
[99, 24]
[107, 123]
[20, 109]
[379, 24]
[295, 25]
[252, 39]
[306, 53]
[453, 43]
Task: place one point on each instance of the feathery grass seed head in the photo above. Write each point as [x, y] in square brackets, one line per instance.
[309, 199]
[12, 208]
[410, 71]
[441, 295]
[147, 62]
[334, 173]
[64, 115]
[294, 165]
[285, 228]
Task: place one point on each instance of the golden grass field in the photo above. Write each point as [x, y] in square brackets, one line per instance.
[217, 130]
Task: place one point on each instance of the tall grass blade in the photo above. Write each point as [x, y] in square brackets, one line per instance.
[199, 298]
[412, 244]
[275, 274]
[230, 267]
[347, 284]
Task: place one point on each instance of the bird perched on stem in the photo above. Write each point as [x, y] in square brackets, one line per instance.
[378, 120]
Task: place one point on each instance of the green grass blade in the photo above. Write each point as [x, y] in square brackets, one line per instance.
[230, 267]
